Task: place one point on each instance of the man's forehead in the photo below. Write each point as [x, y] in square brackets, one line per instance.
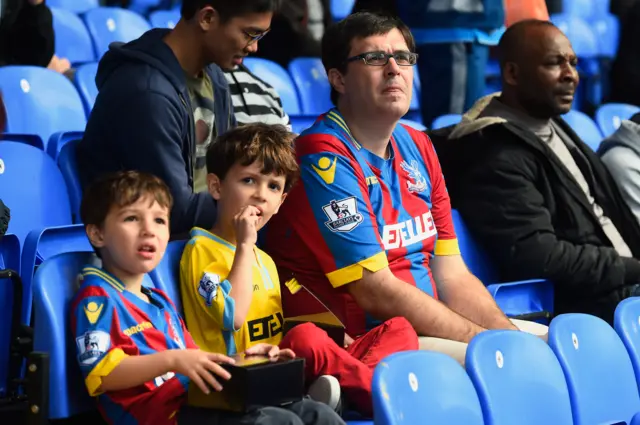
[548, 41]
[391, 41]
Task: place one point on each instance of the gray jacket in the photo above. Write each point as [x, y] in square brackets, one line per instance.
[621, 154]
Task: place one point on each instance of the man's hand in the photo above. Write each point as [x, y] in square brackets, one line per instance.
[200, 367]
[271, 351]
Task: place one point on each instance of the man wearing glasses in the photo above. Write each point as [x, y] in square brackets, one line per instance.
[389, 248]
[163, 99]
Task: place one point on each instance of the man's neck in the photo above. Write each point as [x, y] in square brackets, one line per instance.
[372, 133]
[511, 102]
[185, 47]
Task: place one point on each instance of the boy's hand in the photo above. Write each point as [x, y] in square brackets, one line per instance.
[271, 351]
[246, 222]
[200, 367]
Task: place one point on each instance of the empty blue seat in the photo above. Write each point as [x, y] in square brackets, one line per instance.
[518, 379]
[313, 86]
[597, 368]
[142, 7]
[164, 18]
[85, 81]
[340, 9]
[610, 116]
[584, 127]
[300, 123]
[166, 276]
[40, 101]
[69, 169]
[109, 24]
[607, 30]
[445, 121]
[421, 388]
[580, 8]
[527, 297]
[55, 284]
[278, 78]
[627, 325]
[75, 6]
[72, 38]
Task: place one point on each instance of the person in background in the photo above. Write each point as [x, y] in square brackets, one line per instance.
[253, 99]
[621, 154]
[163, 98]
[538, 199]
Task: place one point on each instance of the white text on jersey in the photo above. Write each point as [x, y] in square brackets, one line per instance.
[408, 232]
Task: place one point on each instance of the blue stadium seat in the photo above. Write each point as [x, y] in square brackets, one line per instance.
[518, 379]
[75, 6]
[607, 30]
[69, 168]
[72, 38]
[584, 127]
[514, 298]
[418, 126]
[300, 124]
[627, 325]
[340, 9]
[313, 86]
[580, 8]
[278, 78]
[40, 101]
[85, 81]
[597, 368]
[445, 121]
[42, 244]
[164, 18]
[423, 387]
[610, 116]
[9, 259]
[54, 286]
[167, 275]
[109, 24]
[142, 7]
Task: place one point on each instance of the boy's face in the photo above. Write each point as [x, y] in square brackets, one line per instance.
[246, 185]
[134, 238]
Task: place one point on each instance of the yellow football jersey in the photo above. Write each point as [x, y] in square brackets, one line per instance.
[209, 310]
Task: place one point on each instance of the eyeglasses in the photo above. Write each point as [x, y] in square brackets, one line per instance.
[382, 58]
[253, 37]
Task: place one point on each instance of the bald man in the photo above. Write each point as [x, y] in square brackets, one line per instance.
[537, 198]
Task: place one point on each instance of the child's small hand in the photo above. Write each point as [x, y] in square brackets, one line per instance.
[200, 367]
[246, 223]
[272, 351]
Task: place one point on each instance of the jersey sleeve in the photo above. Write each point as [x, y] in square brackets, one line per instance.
[341, 230]
[205, 276]
[447, 242]
[99, 345]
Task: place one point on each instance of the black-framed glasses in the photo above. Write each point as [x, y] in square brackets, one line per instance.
[253, 37]
[382, 58]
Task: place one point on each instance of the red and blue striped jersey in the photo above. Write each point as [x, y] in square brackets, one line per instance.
[352, 210]
[111, 323]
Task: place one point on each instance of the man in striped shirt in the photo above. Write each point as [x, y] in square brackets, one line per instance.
[253, 99]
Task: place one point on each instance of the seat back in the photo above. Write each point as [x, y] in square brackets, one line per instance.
[313, 86]
[580, 8]
[627, 325]
[164, 18]
[597, 369]
[40, 101]
[75, 6]
[9, 259]
[69, 168]
[72, 37]
[340, 9]
[584, 127]
[607, 30]
[579, 33]
[278, 78]
[55, 284]
[423, 387]
[32, 186]
[474, 257]
[166, 276]
[510, 370]
[609, 116]
[109, 24]
[445, 121]
[85, 81]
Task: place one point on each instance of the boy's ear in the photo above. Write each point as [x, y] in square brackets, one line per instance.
[95, 235]
[214, 185]
[284, 196]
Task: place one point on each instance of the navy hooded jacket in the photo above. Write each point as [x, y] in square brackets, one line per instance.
[142, 120]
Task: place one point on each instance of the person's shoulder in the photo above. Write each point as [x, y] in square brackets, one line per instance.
[203, 247]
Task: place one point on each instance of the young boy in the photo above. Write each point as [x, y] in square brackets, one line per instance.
[133, 348]
[230, 288]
